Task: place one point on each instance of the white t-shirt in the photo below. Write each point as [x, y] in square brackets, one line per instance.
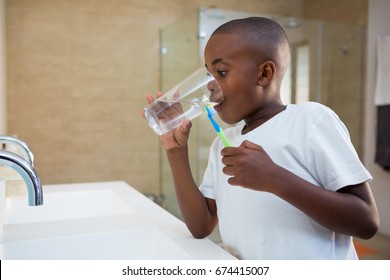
[310, 141]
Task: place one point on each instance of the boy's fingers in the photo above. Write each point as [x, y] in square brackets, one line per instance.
[227, 170]
[149, 99]
[249, 145]
[185, 126]
[232, 151]
[142, 113]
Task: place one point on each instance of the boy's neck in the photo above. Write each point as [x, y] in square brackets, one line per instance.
[262, 116]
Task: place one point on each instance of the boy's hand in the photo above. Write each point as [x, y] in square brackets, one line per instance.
[178, 137]
[249, 166]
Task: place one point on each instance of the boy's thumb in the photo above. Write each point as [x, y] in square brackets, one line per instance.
[186, 126]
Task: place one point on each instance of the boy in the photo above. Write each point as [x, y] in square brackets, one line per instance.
[292, 187]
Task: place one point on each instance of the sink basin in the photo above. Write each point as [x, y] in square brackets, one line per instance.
[141, 244]
[98, 220]
[66, 205]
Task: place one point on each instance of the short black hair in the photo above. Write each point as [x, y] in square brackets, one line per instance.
[263, 32]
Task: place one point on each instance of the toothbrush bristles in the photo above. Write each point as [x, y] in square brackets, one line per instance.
[210, 109]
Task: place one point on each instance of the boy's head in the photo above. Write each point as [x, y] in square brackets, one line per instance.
[248, 57]
[266, 34]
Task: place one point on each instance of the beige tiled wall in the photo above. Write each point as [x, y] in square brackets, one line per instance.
[3, 121]
[77, 74]
[341, 11]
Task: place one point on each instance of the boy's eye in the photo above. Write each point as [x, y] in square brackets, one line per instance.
[222, 73]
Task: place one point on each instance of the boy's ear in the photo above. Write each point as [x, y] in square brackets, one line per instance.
[266, 73]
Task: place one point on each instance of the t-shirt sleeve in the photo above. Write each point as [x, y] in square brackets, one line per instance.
[332, 158]
[207, 185]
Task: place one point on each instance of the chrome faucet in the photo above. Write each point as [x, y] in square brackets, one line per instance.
[25, 169]
[28, 155]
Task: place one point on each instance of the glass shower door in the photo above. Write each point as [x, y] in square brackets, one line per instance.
[179, 58]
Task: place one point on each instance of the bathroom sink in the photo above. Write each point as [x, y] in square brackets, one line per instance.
[141, 244]
[66, 204]
[98, 220]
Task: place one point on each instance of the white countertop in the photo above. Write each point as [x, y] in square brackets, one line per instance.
[106, 218]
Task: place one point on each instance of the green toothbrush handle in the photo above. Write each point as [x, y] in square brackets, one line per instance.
[224, 139]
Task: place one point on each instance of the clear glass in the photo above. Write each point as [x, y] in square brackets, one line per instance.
[187, 100]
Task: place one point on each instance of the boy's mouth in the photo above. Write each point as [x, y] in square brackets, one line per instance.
[218, 106]
[216, 97]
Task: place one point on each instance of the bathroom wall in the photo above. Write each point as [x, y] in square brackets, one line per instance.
[341, 11]
[77, 74]
[2, 70]
[341, 60]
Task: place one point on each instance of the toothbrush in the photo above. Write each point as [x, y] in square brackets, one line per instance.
[210, 112]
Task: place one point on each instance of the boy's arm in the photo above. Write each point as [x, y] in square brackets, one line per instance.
[351, 210]
[199, 213]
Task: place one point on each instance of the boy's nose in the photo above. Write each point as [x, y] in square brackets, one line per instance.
[213, 87]
[215, 91]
